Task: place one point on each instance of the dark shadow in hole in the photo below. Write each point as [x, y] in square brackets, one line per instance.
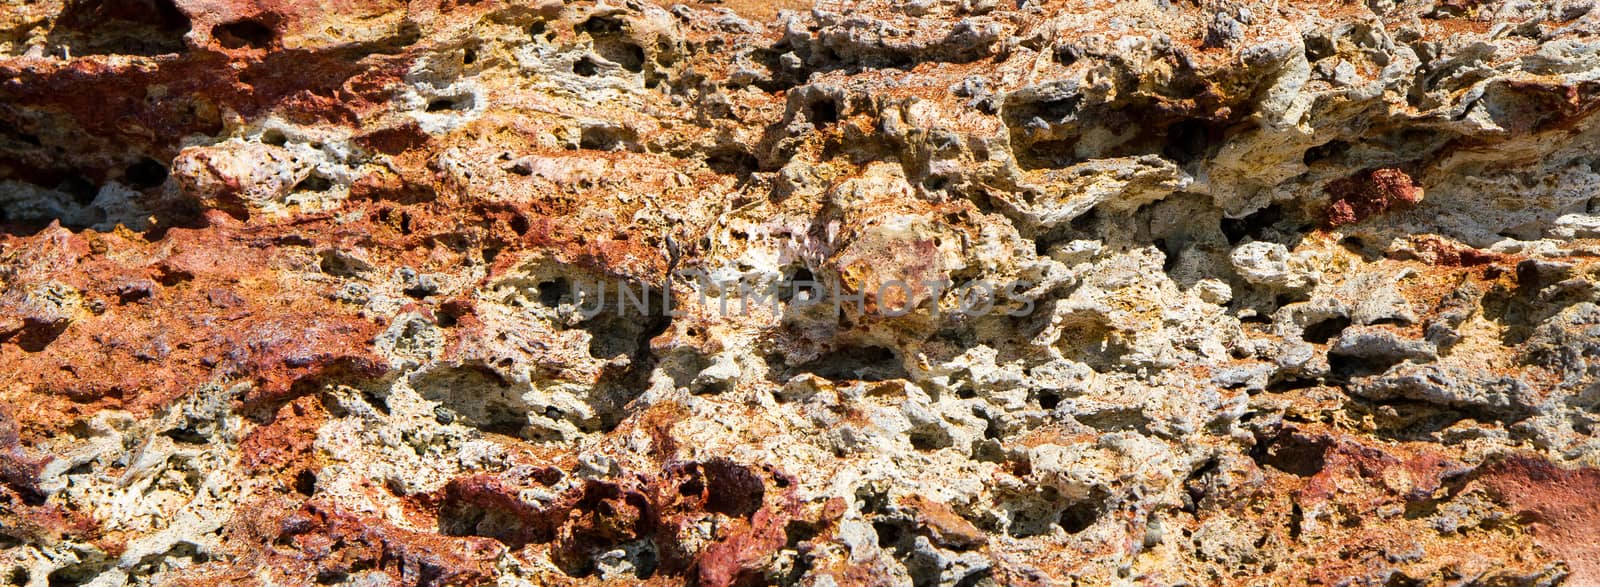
[314, 183]
[145, 174]
[612, 43]
[1079, 516]
[607, 138]
[551, 292]
[1292, 453]
[585, 67]
[242, 34]
[822, 112]
[1329, 151]
[857, 363]
[451, 103]
[124, 27]
[1253, 225]
[1190, 140]
[82, 190]
[733, 161]
[305, 482]
[1322, 331]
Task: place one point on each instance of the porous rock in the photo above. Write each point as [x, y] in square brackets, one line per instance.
[1272, 293]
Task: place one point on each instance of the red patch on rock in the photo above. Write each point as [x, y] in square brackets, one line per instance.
[1368, 194]
[1563, 507]
[1435, 250]
[321, 542]
[752, 506]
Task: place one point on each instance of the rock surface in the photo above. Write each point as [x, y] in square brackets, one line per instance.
[1283, 293]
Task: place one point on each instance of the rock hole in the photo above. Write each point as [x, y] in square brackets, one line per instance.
[305, 483]
[1049, 399]
[1291, 453]
[476, 396]
[1319, 47]
[889, 532]
[339, 264]
[7, 130]
[1131, 418]
[1253, 225]
[1288, 384]
[611, 42]
[1066, 56]
[274, 137]
[1349, 367]
[1188, 141]
[1169, 254]
[693, 487]
[1322, 331]
[732, 161]
[803, 279]
[628, 55]
[1085, 222]
[1297, 517]
[82, 190]
[314, 183]
[798, 531]
[852, 363]
[1034, 515]
[170, 277]
[145, 174]
[1330, 150]
[130, 27]
[929, 438]
[378, 401]
[601, 25]
[1285, 299]
[248, 33]
[1080, 516]
[452, 103]
[822, 112]
[186, 435]
[732, 489]
[605, 138]
[585, 67]
[78, 574]
[469, 56]
[551, 292]
[1196, 485]
[978, 578]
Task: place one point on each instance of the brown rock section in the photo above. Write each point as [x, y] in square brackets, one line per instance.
[1370, 193]
[1564, 516]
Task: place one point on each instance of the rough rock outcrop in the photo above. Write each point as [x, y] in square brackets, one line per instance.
[926, 292]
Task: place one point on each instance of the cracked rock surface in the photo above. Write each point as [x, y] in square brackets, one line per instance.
[1298, 292]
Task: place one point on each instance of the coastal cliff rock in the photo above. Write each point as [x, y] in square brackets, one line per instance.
[879, 292]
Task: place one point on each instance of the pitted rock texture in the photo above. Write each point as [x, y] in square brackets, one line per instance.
[293, 292]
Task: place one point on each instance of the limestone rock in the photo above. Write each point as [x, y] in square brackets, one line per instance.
[911, 292]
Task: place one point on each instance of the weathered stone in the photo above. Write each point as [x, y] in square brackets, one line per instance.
[927, 292]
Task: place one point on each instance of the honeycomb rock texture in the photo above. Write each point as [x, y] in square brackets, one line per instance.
[901, 292]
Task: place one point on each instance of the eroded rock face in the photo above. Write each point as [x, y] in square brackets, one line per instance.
[1282, 292]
